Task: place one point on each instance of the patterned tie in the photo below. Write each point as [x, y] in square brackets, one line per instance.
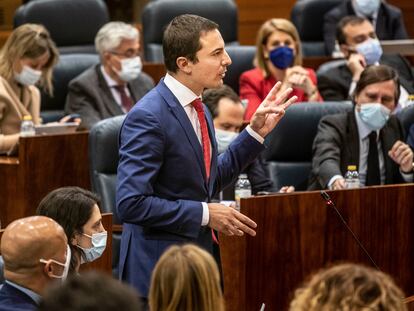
[373, 170]
[126, 101]
[198, 106]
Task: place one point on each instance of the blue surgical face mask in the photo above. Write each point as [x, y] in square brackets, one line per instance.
[97, 249]
[224, 139]
[374, 115]
[371, 50]
[367, 7]
[281, 57]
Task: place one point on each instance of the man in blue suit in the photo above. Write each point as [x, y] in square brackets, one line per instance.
[168, 168]
[35, 253]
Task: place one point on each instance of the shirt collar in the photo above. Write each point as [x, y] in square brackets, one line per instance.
[35, 297]
[184, 95]
[363, 129]
[111, 82]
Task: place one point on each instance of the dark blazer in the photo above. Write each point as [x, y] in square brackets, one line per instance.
[89, 95]
[390, 24]
[336, 146]
[161, 182]
[335, 83]
[12, 299]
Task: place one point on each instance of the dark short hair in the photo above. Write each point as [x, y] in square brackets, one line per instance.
[91, 291]
[347, 20]
[70, 207]
[182, 38]
[374, 74]
[211, 98]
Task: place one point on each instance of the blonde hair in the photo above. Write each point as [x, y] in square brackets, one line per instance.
[265, 31]
[349, 287]
[186, 278]
[29, 41]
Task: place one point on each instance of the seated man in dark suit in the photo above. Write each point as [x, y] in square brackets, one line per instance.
[368, 137]
[35, 253]
[114, 86]
[361, 48]
[228, 111]
[388, 20]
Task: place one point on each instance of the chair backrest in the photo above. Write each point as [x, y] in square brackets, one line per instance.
[68, 68]
[406, 117]
[242, 60]
[307, 16]
[72, 24]
[103, 161]
[157, 14]
[289, 152]
[325, 67]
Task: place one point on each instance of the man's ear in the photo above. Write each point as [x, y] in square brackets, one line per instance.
[184, 64]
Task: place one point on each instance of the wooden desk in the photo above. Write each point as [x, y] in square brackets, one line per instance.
[44, 164]
[298, 235]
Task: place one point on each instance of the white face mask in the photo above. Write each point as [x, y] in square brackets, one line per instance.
[130, 68]
[374, 115]
[367, 7]
[65, 265]
[224, 139]
[97, 249]
[28, 76]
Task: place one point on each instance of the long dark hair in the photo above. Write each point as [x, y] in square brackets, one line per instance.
[71, 207]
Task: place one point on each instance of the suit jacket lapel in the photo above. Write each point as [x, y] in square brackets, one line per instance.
[213, 165]
[387, 140]
[108, 100]
[180, 114]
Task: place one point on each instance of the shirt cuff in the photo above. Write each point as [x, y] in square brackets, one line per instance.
[333, 179]
[253, 134]
[407, 177]
[206, 214]
[352, 88]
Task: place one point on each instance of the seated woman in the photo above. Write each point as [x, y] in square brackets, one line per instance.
[349, 287]
[278, 58]
[186, 278]
[77, 211]
[26, 59]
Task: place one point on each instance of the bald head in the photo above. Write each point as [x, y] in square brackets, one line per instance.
[27, 240]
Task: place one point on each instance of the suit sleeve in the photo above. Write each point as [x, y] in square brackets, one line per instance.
[140, 159]
[80, 101]
[329, 89]
[326, 152]
[249, 90]
[399, 31]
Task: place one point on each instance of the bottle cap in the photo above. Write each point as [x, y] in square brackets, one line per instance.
[27, 118]
[243, 176]
[351, 167]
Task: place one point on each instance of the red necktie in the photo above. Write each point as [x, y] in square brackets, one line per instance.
[205, 139]
[126, 101]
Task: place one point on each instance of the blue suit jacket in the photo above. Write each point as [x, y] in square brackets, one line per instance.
[12, 299]
[161, 182]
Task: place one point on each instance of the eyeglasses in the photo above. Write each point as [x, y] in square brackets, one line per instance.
[127, 54]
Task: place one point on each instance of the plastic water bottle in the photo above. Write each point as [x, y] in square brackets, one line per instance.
[352, 177]
[242, 189]
[27, 127]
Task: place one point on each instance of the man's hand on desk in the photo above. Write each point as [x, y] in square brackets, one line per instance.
[229, 221]
[339, 184]
[402, 154]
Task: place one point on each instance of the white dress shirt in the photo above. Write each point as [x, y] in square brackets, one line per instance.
[185, 97]
[115, 94]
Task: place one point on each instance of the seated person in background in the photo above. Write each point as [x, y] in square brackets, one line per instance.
[278, 58]
[387, 19]
[349, 287]
[35, 253]
[77, 211]
[227, 112]
[186, 278]
[368, 137]
[360, 45]
[112, 87]
[26, 59]
[91, 291]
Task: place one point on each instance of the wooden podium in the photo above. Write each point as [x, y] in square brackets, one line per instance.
[298, 234]
[44, 163]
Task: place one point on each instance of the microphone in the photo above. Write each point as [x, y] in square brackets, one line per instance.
[331, 204]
